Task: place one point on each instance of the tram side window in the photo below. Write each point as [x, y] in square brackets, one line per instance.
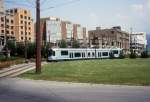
[93, 54]
[105, 53]
[89, 54]
[82, 55]
[64, 53]
[77, 54]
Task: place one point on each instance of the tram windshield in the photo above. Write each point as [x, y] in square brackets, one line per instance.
[51, 53]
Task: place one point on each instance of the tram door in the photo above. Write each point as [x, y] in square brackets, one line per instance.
[71, 55]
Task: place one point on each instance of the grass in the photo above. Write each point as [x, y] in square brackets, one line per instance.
[117, 71]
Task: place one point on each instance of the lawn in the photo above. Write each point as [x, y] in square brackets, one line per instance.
[116, 71]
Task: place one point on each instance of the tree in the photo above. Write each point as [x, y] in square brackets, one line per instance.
[75, 44]
[133, 54]
[144, 54]
[31, 50]
[12, 47]
[63, 44]
[44, 50]
[20, 49]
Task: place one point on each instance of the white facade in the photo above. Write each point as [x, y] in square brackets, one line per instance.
[69, 30]
[1, 6]
[53, 30]
[138, 41]
[79, 33]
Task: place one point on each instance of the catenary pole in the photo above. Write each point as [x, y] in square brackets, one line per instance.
[38, 38]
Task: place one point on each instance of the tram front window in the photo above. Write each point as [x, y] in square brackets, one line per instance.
[115, 52]
[51, 53]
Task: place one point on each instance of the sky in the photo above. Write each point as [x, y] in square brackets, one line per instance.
[128, 14]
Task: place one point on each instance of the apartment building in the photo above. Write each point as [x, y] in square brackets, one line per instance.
[67, 30]
[23, 28]
[79, 34]
[1, 5]
[138, 42]
[109, 38]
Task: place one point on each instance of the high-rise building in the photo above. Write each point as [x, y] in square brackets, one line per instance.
[1, 6]
[54, 30]
[109, 38]
[23, 27]
[138, 42]
[67, 30]
[1, 24]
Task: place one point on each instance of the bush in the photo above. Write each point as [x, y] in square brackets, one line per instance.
[44, 51]
[133, 55]
[2, 58]
[20, 49]
[75, 44]
[31, 50]
[63, 44]
[121, 56]
[144, 54]
[111, 56]
[12, 47]
[10, 62]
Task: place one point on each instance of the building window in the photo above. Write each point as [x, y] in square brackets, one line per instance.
[29, 18]
[21, 16]
[12, 27]
[11, 11]
[7, 32]
[25, 17]
[29, 23]
[2, 19]
[7, 20]
[21, 22]
[25, 12]
[12, 32]
[16, 10]
[29, 33]
[29, 38]
[2, 25]
[25, 22]
[12, 21]
[21, 27]
[21, 32]
[29, 28]
[112, 43]
[2, 31]
[21, 38]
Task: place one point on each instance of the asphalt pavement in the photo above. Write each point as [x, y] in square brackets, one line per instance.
[25, 90]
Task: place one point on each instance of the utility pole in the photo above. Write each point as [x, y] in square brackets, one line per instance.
[25, 27]
[130, 39]
[38, 38]
[6, 40]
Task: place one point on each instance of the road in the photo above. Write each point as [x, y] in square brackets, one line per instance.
[25, 90]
